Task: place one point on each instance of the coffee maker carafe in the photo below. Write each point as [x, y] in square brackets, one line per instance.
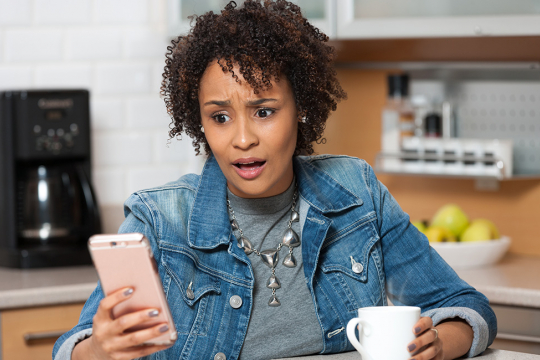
[48, 209]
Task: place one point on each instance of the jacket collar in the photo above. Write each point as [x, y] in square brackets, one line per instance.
[209, 224]
[321, 190]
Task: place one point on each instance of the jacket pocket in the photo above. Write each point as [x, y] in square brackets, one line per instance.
[351, 262]
[190, 290]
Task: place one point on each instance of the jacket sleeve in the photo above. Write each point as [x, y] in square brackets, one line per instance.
[139, 218]
[417, 276]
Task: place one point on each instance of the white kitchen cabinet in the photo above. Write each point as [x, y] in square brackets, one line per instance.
[321, 13]
[358, 19]
[518, 329]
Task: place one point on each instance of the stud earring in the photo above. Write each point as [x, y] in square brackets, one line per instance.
[304, 119]
[202, 129]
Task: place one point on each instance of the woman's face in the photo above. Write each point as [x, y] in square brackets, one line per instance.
[252, 136]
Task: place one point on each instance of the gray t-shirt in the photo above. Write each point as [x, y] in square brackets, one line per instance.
[291, 329]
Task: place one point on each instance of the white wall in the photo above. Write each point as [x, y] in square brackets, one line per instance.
[114, 48]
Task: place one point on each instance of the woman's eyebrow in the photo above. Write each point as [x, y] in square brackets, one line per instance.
[249, 103]
[218, 102]
[259, 101]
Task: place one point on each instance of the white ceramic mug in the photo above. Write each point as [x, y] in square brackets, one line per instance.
[385, 331]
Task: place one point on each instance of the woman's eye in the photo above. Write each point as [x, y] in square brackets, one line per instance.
[262, 113]
[221, 118]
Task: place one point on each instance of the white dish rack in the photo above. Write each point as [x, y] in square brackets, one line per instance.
[454, 156]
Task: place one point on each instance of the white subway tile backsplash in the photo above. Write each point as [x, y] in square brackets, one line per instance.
[106, 114]
[147, 113]
[116, 49]
[110, 185]
[157, 10]
[123, 78]
[196, 166]
[121, 11]
[145, 43]
[117, 148]
[63, 11]
[33, 45]
[15, 77]
[64, 76]
[173, 151]
[1, 46]
[15, 12]
[148, 177]
[94, 44]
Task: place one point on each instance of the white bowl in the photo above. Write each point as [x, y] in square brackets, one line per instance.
[466, 255]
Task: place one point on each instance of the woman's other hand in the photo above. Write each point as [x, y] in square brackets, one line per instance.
[108, 340]
[427, 344]
[451, 339]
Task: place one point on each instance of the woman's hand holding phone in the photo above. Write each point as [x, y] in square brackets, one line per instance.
[108, 340]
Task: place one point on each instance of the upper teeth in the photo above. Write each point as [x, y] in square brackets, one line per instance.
[248, 163]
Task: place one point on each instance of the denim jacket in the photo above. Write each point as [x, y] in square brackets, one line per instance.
[344, 212]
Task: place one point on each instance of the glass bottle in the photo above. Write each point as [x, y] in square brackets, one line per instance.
[397, 119]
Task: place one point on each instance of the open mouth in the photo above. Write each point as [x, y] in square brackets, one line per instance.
[251, 165]
[249, 168]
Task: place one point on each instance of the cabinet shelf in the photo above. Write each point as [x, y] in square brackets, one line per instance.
[458, 176]
[405, 166]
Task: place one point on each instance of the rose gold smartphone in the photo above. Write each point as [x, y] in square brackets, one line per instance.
[126, 260]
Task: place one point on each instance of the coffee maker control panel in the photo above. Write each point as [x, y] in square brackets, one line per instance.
[51, 124]
[55, 140]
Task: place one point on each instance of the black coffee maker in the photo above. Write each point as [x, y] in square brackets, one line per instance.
[47, 205]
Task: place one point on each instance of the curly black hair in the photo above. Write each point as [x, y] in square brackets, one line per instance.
[266, 39]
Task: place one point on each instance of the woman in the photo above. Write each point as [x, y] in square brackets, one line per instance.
[267, 253]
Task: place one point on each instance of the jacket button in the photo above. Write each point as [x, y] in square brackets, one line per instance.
[220, 356]
[236, 302]
[189, 292]
[357, 268]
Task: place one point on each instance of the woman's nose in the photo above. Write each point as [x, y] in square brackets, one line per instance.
[245, 135]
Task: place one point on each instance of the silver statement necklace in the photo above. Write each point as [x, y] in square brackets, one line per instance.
[270, 257]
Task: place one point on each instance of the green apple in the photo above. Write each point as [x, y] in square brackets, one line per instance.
[439, 234]
[420, 225]
[494, 231]
[480, 230]
[451, 217]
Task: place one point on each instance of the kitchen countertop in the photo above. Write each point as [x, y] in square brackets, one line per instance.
[48, 286]
[513, 281]
[489, 354]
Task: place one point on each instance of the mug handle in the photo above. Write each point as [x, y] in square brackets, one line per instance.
[351, 334]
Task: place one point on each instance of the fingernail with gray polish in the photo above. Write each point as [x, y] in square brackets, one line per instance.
[128, 292]
[153, 313]
[164, 328]
[411, 347]
[417, 329]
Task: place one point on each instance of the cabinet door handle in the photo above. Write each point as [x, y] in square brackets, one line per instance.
[43, 335]
[530, 339]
